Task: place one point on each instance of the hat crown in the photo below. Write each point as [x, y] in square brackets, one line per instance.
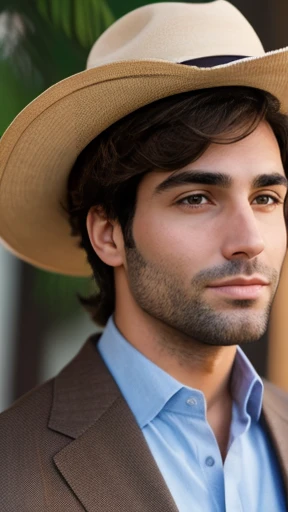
[176, 32]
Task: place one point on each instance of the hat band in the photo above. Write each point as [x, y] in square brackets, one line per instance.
[215, 60]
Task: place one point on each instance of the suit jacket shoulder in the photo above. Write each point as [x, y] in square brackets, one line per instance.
[28, 478]
[276, 396]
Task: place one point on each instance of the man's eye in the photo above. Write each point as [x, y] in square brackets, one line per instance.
[266, 199]
[194, 200]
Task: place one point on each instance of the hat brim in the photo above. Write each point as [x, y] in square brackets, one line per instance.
[40, 147]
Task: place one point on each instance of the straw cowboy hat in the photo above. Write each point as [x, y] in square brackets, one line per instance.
[152, 52]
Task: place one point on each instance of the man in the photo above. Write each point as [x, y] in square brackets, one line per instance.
[169, 159]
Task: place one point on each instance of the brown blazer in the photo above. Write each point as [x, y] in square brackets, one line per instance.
[72, 444]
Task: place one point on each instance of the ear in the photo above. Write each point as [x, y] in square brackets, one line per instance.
[105, 237]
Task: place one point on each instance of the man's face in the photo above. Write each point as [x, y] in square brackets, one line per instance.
[223, 226]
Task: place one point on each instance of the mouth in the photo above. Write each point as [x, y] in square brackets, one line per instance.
[240, 287]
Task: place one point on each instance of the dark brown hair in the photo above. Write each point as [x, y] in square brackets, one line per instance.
[165, 135]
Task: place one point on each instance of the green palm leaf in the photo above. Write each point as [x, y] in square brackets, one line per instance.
[81, 20]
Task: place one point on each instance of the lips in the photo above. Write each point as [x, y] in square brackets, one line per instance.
[240, 281]
[240, 287]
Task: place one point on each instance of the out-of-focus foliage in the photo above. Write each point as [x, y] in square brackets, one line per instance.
[42, 42]
[81, 20]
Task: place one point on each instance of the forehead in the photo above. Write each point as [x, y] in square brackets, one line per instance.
[256, 149]
[241, 161]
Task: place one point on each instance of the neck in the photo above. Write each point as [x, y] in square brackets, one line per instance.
[203, 367]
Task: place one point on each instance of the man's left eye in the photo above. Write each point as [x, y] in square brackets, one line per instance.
[266, 200]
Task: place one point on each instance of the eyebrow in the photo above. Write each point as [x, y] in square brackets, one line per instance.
[268, 180]
[217, 179]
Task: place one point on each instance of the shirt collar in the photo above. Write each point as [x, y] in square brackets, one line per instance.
[246, 386]
[147, 388]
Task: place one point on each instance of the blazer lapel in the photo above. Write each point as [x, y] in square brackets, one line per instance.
[108, 465]
[275, 414]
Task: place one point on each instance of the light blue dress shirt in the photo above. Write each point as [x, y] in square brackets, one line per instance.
[172, 418]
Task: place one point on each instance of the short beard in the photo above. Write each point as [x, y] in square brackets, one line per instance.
[159, 293]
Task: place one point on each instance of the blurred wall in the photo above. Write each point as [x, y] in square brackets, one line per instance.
[269, 19]
[9, 276]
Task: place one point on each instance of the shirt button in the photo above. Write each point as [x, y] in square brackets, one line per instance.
[209, 461]
[191, 401]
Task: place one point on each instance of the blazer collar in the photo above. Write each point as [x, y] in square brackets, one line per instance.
[108, 465]
[83, 391]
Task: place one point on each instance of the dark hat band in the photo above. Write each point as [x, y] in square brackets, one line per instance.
[215, 60]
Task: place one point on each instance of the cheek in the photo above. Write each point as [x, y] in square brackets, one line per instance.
[174, 244]
[275, 239]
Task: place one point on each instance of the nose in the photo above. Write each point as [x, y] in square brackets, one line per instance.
[243, 239]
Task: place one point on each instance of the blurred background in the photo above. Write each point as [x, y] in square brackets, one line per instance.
[42, 324]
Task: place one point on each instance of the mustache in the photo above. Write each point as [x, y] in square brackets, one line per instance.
[233, 268]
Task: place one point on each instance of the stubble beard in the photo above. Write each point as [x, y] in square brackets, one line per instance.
[183, 309]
